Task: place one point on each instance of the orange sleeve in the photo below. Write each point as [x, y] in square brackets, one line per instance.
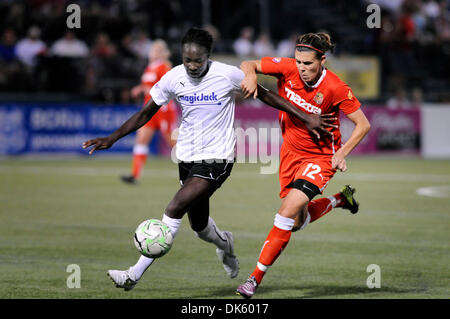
[275, 66]
[162, 69]
[346, 100]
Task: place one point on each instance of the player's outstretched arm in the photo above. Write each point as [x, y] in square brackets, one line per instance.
[249, 83]
[137, 120]
[314, 123]
[362, 127]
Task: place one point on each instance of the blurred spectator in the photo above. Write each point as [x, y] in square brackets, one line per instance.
[69, 46]
[141, 44]
[103, 47]
[243, 46]
[263, 46]
[286, 47]
[219, 46]
[11, 72]
[442, 24]
[16, 16]
[30, 47]
[431, 9]
[126, 48]
[406, 27]
[393, 6]
[399, 100]
[8, 46]
[125, 96]
[416, 97]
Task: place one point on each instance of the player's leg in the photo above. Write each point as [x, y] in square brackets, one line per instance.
[193, 190]
[140, 153]
[344, 199]
[318, 208]
[127, 279]
[278, 238]
[206, 229]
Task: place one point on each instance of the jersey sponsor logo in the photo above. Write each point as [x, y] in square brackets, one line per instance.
[276, 60]
[212, 97]
[296, 99]
[318, 98]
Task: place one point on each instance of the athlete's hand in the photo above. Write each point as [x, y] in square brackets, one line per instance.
[100, 143]
[318, 123]
[135, 91]
[338, 161]
[249, 86]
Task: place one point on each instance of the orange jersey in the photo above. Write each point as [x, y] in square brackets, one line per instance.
[327, 96]
[152, 74]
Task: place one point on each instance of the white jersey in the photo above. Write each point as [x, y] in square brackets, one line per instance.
[207, 105]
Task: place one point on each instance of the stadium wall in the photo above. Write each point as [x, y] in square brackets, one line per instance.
[33, 128]
[436, 131]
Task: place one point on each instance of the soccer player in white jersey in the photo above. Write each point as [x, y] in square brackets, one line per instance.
[206, 142]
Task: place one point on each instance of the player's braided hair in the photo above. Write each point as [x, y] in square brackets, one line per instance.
[319, 42]
[200, 37]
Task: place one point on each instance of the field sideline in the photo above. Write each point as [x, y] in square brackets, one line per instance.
[74, 210]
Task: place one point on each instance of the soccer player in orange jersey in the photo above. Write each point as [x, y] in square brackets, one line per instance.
[165, 120]
[307, 163]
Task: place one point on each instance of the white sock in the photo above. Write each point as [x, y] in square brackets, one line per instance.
[212, 234]
[140, 149]
[333, 201]
[173, 223]
[145, 262]
[284, 223]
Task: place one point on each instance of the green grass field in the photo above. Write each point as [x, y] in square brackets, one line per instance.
[57, 212]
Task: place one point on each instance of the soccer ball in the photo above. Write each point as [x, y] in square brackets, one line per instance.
[153, 238]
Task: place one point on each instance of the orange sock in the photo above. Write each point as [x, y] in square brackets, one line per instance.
[275, 242]
[320, 207]
[137, 165]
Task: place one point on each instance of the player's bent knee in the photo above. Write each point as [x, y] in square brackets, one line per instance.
[301, 220]
[308, 188]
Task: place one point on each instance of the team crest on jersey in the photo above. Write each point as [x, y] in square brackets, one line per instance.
[318, 98]
[291, 84]
[350, 95]
[276, 60]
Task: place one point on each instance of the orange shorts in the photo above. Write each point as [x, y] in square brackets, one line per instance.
[165, 120]
[314, 169]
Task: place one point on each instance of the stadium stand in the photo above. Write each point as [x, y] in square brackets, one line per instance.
[413, 43]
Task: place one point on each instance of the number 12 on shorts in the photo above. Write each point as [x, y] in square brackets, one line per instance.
[310, 170]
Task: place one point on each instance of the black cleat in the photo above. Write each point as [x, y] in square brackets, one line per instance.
[128, 179]
[350, 202]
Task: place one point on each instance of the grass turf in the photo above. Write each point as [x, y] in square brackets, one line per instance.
[57, 212]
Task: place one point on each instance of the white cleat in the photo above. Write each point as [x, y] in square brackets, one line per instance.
[125, 279]
[229, 260]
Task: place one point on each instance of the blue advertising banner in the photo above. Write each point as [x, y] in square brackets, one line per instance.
[51, 128]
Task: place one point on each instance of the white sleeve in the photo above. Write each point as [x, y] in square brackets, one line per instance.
[161, 92]
[236, 76]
